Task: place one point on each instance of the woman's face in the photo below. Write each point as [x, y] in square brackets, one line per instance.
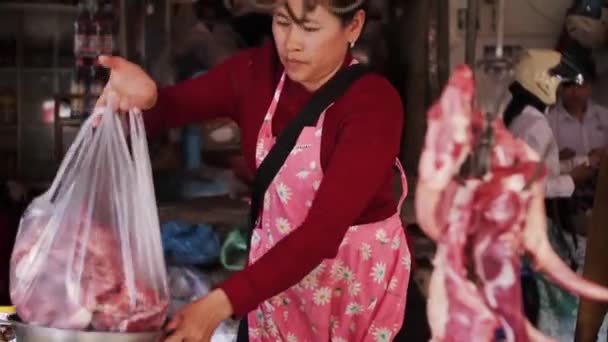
[313, 50]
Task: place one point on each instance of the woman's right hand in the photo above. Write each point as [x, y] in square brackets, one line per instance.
[129, 86]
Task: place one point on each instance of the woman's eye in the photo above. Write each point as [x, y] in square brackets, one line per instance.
[282, 22]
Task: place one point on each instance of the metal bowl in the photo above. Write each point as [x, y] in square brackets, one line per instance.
[32, 333]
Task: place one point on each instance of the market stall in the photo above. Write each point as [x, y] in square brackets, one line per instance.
[178, 204]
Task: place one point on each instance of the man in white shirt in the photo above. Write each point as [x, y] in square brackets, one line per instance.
[593, 34]
[580, 127]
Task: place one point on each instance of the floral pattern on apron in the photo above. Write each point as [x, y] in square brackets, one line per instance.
[358, 296]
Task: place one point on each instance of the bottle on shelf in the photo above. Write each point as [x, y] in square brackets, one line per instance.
[8, 107]
[105, 22]
[96, 37]
[8, 52]
[82, 30]
[78, 89]
[98, 79]
[7, 171]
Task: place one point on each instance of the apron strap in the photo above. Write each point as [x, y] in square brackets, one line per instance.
[308, 116]
[403, 185]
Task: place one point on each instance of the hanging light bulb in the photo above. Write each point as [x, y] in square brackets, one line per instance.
[492, 78]
[493, 74]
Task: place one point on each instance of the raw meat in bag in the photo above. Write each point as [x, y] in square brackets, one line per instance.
[88, 254]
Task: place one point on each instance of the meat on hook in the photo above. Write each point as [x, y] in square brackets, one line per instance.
[484, 224]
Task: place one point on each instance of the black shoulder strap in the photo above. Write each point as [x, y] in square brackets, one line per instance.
[308, 116]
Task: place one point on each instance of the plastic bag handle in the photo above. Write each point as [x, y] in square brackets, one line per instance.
[234, 241]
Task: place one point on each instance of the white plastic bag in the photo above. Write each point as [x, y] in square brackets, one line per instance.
[187, 284]
[88, 254]
[226, 332]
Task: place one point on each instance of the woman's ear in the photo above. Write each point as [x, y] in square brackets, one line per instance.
[355, 26]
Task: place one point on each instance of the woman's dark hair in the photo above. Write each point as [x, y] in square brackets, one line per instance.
[206, 10]
[520, 98]
[345, 10]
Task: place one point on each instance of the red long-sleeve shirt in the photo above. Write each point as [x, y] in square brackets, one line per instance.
[361, 139]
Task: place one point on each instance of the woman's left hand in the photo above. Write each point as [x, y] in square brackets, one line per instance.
[197, 321]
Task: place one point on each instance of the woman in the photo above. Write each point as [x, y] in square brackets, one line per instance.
[329, 261]
[537, 77]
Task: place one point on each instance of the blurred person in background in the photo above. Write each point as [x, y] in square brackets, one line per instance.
[580, 127]
[538, 75]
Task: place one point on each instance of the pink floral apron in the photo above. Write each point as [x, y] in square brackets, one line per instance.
[358, 296]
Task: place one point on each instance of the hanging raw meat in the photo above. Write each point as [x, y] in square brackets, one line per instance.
[482, 225]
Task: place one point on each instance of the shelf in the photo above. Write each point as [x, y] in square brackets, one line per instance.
[8, 146]
[218, 210]
[34, 6]
[71, 122]
[8, 127]
[36, 69]
[45, 69]
[36, 125]
[222, 148]
[36, 66]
